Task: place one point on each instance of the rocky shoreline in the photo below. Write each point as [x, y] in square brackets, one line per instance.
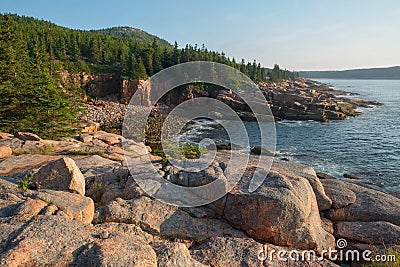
[302, 99]
[305, 99]
[75, 203]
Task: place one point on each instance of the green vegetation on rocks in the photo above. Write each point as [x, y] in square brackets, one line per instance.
[25, 182]
[187, 150]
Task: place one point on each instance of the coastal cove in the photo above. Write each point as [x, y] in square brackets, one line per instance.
[366, 145]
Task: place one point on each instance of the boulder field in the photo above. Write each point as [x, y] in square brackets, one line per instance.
[75, 203]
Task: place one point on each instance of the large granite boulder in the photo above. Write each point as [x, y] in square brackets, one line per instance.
[62, 174]
[108, 138]
[69, 205]
[174, 254]
[18, 206]
[27, 210]
[86, 138]
[203, 177]
[323, 201]
[11, 141]
[227, 251]
[163, 219]
[28, 136]
[47, 240]
[53, 228]
[370, 206]
[5, 136]
[337, 191]
[95, 165]
[117, 247]
[375, 233]
[5, 152]
[13, 165]
[57, 241]
[90, 126]
[230, 251]
[132, 189]
[282, 211]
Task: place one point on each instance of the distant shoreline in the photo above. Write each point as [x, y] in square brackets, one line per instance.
[391, 73]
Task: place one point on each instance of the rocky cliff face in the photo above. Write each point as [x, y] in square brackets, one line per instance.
[99, 85]
[130, 87]
[172, 98]
[177, 96]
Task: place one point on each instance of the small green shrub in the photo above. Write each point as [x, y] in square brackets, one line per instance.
[191, 151]
[187, 151]
[164, 161]
[159, 153]
[25, 182]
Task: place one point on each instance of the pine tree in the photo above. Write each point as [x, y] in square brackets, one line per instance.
[243, 67]
[259, 76]
[253, 70]
[166, 58]
[74, 48]
[175, 55]
[156, 60]
[95, 54]
[276, 74]
[136, 68]
[147, 59]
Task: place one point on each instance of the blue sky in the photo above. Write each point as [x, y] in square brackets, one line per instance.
[296, 34]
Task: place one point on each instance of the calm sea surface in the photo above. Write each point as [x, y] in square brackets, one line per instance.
[367, 146]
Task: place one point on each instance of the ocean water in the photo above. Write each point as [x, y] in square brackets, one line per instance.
[367, 146]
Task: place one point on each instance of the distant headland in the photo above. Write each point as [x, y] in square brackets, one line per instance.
[390, 73]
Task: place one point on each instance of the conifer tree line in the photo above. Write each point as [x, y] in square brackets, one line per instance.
[30, 98]
[33, 52]
[135, 55]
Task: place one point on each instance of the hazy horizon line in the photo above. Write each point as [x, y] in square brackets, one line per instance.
[357, 68]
